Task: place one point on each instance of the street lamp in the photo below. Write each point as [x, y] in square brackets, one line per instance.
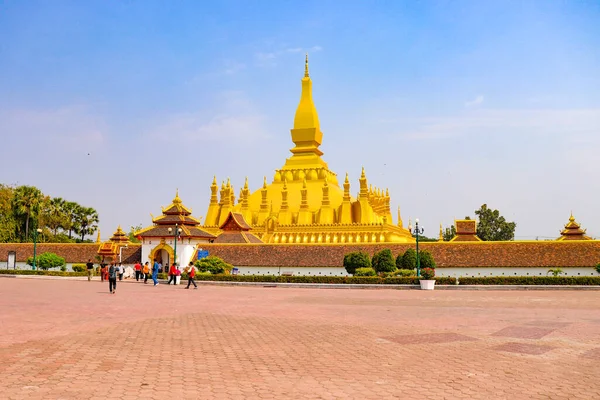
[121, 252]
[416, 232]
[35, 233]
[176, 234]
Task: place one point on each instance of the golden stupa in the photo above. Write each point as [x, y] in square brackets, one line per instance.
[305, 203]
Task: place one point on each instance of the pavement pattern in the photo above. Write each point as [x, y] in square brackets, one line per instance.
[63, 339]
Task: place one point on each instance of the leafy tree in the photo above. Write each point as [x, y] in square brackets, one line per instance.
[8, 222]
[426, 259]
[70, 223]
[383, 261]
[214, 265]
[399, 260]
[492, 226]
[46, 261]
[25, 203]
[86, 221]
[357, 259]
[55, 215]
[409, 259]
[449, 233]
[132, 231]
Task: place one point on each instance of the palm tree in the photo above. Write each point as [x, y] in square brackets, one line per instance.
[71, 210]
[87, 221]
[26, 202]
[56, 216]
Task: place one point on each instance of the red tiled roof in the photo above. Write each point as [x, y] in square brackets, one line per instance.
[187, 231]
[72, 252]
[237, 237]
[235, 222]
[465, 254]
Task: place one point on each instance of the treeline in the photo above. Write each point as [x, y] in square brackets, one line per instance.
[25, 209]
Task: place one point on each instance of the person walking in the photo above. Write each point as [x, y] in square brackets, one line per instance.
[121, 271]
[102, 272]
[112, 278]
[138, 271]
[172, 274]
[146, 272]
[155, 272]
[191, 273]
[90, 269]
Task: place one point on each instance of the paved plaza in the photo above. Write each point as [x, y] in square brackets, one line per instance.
[65, 339]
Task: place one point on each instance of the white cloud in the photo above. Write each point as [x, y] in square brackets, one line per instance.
[268, 59]
[476, 102]
[233, 118]
[72, 128]
[577, 124]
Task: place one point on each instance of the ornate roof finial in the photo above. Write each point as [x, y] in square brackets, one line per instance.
[441, 238]
[362, 174]
[246, 183]
[400, 223]
[306, 66]
[98, 238]
[214, 182]
[176, 200]
[228, 182]
[264, 182]
[346, 180]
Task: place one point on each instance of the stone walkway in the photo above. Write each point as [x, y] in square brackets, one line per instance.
[72, 340]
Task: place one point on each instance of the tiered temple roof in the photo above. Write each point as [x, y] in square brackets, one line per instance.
[175, 215]
[236, 230]
[305, 202]
[573, 231]
[466, 231]
[111, 249]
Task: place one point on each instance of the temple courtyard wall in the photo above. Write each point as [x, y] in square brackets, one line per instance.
[456, 259]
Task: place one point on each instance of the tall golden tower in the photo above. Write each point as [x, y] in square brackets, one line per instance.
[304, 202]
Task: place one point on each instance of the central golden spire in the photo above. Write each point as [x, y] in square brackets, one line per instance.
[306, 113]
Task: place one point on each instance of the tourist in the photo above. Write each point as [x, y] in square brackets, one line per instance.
[112, 278]
[102, 272]
[155, 268]
[191, 273]
[121, 271]
[146, 272]
[138, 271]
[90, 269]
[173, 274]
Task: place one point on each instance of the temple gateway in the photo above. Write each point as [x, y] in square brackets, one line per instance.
[304, 202]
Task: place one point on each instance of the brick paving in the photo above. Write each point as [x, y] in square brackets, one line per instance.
[64, 339]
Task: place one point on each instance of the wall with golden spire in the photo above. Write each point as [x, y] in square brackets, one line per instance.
[304, 203]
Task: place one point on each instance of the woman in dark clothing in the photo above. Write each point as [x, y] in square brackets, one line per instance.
[112, 278]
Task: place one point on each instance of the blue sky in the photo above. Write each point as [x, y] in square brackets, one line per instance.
[450, 104]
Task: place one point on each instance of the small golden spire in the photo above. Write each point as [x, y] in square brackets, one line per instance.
[387, 192]
[176, 200]
[362, 174]
[214, 182]
[98, 238]
[228, 183]
[306, 66]
[347, 180]
[264, 182]
[400, 223]
[246, 183]
[441, 234]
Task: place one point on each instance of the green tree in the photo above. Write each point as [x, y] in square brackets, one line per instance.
[8, 222]
[132, 230]
[46, 261]
[55, 215]
[383, 261]
[492, 226]
[86, 221]
[70, 223]
[409, 259]
[214, 265]
[357, 259]
[25, 203]
[449, 233]
[426, 259]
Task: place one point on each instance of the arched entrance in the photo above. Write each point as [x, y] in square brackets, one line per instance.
[163, 253]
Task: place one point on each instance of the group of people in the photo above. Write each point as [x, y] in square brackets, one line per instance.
[142, 272]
